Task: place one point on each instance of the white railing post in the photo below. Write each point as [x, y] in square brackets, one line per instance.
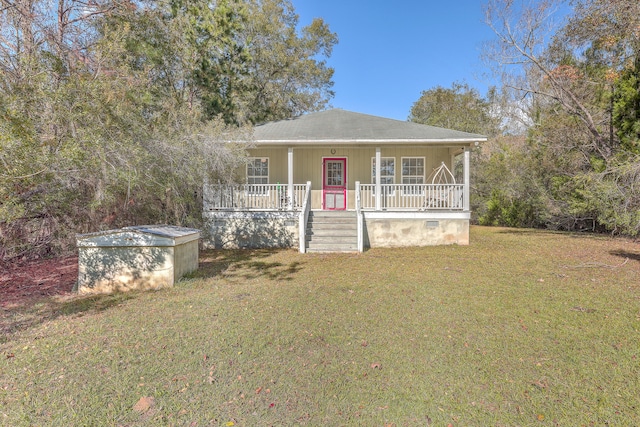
[467, 179]
[303, 218]
[378, 180]
[290, 179]
[359, 218]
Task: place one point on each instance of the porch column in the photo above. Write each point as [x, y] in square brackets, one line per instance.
[290, 179]
[467, 178]
[378, 184]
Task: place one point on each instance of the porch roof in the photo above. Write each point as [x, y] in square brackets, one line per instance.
[336, 126]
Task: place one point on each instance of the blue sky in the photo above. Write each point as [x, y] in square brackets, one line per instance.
[389, 52]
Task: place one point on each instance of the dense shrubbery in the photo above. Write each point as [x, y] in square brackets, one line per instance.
[565, 153]
[113, 113]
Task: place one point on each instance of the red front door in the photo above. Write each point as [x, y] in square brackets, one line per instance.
[334, 184]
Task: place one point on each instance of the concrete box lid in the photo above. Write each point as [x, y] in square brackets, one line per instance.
[139, 235]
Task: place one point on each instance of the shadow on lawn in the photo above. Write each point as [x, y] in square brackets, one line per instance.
[36, 312]
[244, 263]
[626, 254]
[586, 234]
[530, 231]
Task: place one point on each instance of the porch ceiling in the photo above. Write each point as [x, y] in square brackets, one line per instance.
[334, 127]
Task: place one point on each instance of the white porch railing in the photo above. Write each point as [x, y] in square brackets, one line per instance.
[252, 197]
[414, 196]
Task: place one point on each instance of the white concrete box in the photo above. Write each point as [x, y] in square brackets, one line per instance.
[139, 257]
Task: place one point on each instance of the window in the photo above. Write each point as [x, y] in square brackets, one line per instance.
[258, 174]
[387, 171]
[334, 173]
[413, 173]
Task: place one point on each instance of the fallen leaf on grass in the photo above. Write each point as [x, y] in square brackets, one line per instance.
[584, 310]
[144, 404]
[540, 384]
[522, 325]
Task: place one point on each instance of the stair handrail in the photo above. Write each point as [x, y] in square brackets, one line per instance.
[304, 218]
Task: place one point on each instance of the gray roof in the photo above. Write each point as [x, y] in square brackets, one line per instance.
[345, 127]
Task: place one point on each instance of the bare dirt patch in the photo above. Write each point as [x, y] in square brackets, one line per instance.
[26, 281]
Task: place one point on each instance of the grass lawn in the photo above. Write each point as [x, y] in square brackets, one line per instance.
[520, 328]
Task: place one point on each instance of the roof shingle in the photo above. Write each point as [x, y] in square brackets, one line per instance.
[338, 125]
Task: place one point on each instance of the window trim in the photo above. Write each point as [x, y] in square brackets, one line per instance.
[403, 176]
[393, 177]
[265, 191]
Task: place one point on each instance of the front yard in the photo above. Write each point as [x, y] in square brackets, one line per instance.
[520, 328]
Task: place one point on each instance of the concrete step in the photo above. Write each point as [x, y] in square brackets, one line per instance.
[332, 248]
[335, 232]
[333, 214]
[332, 219]
[332, 240]
[332, 231]
[332, 225]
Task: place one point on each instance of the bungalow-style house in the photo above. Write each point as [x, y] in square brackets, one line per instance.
[342, 181]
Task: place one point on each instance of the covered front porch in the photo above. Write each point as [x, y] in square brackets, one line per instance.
[341, 184]
[405, 215]
[385, 176]
[367, 197]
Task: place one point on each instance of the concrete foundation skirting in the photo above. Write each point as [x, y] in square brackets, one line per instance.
[255, 229]
[393, 229]
[267, 229]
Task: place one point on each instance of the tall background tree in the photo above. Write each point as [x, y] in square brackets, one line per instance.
[459, 107]
[462, 108]
[113, 112]
[570, 70]
[288, 74]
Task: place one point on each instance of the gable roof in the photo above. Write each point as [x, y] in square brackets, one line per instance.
[338, 126]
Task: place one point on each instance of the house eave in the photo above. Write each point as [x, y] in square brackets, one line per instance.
[373, 142]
